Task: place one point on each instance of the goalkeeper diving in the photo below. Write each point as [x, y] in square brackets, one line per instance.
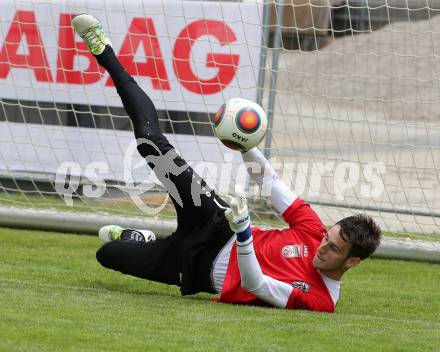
[215, 249]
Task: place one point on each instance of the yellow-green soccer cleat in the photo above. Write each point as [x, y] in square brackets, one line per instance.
[110, 233]
[90, 29]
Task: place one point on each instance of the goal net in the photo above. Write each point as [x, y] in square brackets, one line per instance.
[351, 88]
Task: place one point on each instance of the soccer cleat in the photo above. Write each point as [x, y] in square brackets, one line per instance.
[110, 233]
[114, 233]
[238, 213]
[90, 29]
[137, 235]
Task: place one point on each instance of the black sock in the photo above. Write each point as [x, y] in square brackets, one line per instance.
[110, 62]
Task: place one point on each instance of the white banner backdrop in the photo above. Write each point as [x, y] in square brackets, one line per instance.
[188, 55]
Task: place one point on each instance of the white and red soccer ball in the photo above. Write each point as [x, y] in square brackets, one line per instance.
[240, 124]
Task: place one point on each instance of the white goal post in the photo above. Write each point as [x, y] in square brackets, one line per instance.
[351, 88]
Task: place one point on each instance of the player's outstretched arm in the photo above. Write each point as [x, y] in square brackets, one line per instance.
[280, 196]
[253, 280]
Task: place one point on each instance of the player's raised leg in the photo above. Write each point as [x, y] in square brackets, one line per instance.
[189, 191]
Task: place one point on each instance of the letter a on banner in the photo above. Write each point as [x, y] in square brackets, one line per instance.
[24, 25]
[142, 31]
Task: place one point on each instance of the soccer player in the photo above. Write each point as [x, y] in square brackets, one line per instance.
[214, 248]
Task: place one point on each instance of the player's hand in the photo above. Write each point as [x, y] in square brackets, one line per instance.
[237, 214]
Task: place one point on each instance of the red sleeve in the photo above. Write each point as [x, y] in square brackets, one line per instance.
[303, 218]
[306, 301]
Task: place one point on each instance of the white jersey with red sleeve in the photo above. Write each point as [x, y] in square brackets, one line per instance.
[285, 255]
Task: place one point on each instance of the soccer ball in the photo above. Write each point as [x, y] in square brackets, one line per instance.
[240, 124]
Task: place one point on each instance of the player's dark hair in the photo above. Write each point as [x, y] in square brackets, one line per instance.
[362, 233]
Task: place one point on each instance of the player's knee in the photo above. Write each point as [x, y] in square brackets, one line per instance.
[145, 149]
[105, 256]
[155, 145]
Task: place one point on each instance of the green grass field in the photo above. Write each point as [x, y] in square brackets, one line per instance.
[56, 297]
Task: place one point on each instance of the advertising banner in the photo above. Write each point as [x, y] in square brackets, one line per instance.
[187, 55]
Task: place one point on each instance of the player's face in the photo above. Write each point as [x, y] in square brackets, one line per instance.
[333, 252]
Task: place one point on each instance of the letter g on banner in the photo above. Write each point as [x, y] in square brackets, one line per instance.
[226, 63]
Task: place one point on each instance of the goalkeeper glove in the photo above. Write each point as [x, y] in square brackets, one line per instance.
[238, 215]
